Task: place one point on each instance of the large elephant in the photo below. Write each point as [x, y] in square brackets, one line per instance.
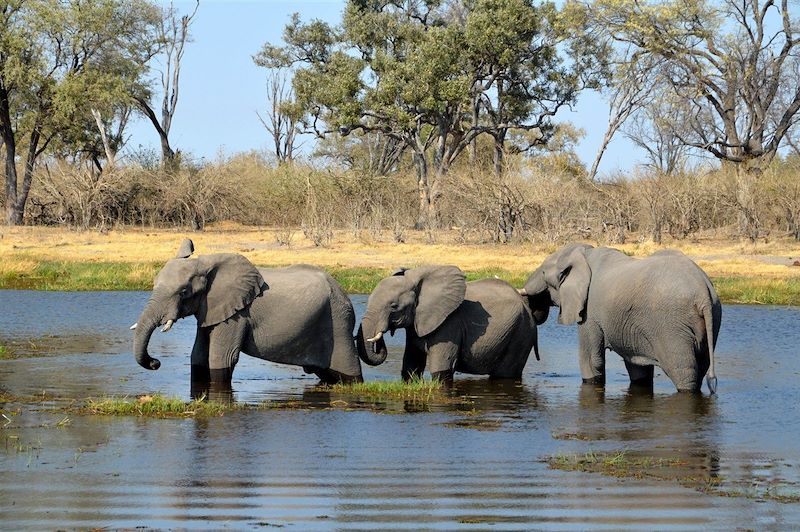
[661, 310]
[482, 327]
[297, 315]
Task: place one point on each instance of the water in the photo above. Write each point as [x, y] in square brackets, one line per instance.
[391, 467]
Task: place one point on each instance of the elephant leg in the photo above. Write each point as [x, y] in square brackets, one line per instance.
[442, 358]
[678, 361]
[592, 353]
[225, 344]
[414, 359]
[199, 358]
[640, 375]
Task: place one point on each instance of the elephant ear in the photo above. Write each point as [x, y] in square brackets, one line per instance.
[574, 276]
[440, 291]
[233, 283]
[186, 249]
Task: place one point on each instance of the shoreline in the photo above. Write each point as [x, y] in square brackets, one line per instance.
[47, 258]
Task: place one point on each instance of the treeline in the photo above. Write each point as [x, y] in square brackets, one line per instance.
[539, 205]
[423, 114]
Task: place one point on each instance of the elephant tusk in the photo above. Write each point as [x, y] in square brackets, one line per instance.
[168, 326]
[522, 292]
[132, 327]
[376, 337]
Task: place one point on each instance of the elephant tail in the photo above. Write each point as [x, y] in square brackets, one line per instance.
[711, 377]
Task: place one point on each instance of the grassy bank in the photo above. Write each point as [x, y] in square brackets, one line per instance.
[59, 259]
[76, 276]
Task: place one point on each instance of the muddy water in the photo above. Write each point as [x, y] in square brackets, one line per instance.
[392, 467]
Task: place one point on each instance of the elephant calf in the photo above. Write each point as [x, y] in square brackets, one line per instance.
[297, 315]
[661, 310]
[482, 327]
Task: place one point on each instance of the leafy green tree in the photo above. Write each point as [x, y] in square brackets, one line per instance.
[433, 76]
[55, 65]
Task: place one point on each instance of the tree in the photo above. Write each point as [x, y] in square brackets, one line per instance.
[173, 34]
[282, 115]
[51, 58]
[419, 73]
[628, 90]
[733, 63]
[653, 129]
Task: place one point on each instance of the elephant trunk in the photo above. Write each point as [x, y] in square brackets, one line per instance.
[539, 300]
[370, 332]
[148, 321]
[373, 354]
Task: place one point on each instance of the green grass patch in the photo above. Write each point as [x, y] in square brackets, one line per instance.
[31, 273]
[6, 353]
[516, 279]
[157, 406]
[358, 280]
[80, 276]
[758, 291]
[419, 390]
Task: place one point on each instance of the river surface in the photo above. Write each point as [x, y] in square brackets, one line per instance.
[394, 466]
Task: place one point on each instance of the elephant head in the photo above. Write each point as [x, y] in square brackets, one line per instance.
[562, 280]
[212, 288]
[418, 299]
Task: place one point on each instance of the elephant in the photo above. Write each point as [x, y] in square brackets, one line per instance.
[481, 327]
[296, 315]
[661, 310]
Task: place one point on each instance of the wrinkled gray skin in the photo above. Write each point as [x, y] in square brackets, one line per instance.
[661, 310]
[482, 327]
[297, 315]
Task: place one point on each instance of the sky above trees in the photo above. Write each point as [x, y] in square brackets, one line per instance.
[222, 89]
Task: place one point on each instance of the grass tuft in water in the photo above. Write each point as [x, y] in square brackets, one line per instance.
[623, 464]
[6, 353]
[157, 406]
[417, 389]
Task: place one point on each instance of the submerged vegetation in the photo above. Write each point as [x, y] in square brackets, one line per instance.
[627, 464]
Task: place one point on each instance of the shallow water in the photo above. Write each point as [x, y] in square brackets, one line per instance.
[392, 467]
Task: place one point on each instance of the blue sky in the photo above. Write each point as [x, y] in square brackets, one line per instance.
[221, 88]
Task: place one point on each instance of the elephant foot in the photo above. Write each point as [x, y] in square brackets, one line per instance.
[200, 374]
[330, 376]
[221, 375]
[642, 383]
[214, 391]
[409, 376]
[443, 376]
[599, 380]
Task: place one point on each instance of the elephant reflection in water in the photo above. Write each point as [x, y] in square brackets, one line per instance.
[297, 315]
[684, 427]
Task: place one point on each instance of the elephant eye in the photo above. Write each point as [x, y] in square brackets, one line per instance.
[394, 306]
[184, 292]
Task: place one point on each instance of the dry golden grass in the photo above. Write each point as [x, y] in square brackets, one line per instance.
[22, 247]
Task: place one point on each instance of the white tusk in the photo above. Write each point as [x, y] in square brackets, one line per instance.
[168, 326]
[522, 292]
[134, 325]
[376, 337]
